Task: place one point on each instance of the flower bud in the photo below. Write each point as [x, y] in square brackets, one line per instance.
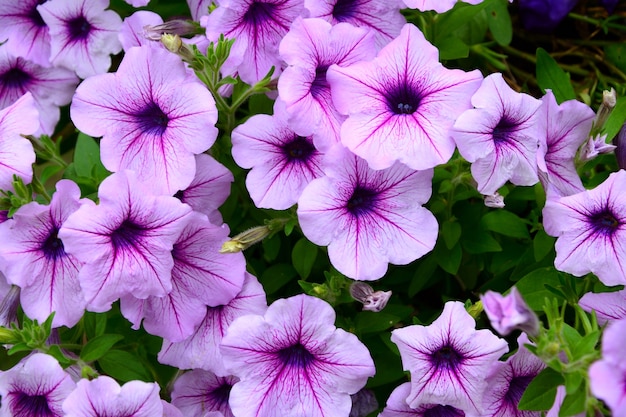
[372, 300]
[178, 27]
[245, 239]
[510, 312]
[174, 44]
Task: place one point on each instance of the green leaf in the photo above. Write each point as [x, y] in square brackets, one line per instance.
[532, 286]
[423, 275]
[573, 381]
[454, 19]
[451, 232]
[87, 158]
[452, 47]
[616, 54]
[303, 257]
[276, 276]
[499, 21]
[551, 76]
[48, 172]
[573, 404]
[586, 346]
[541, 391]
[616, 119]
[124, 366]
[370, 322]
[505, 223]
[56, 352]
[271, 248]
[98, 346]
[571, 335]
[542, 245]
[448, 260]
[95, 324]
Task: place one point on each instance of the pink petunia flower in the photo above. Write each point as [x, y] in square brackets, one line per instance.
[198, 391]
[397, 406]
[26, 33]
[293, 361]
[258, 27]
[509, 312]
[590, 228]
[35, 387]
[380, 17]
[449, 359]
[132, 32]
[309, 48]
[499, 136]
[16, 152]
[125, 242]
[283, 163]
[83, 34]
[608, 306]
[401, 105]
[33, 257]
[368, 218]
[608, 375]
[152, 118]
[440, 6]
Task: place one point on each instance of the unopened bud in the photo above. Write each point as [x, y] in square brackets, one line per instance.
[372, 300]
[174, 27]
[245, 239]
[174, 44]
[609, 99]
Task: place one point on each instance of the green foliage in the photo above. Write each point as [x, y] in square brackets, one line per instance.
[550, 76]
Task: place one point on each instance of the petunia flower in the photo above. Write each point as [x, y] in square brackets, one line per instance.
[381, 17]
[201, 277]
[608, 306]
[397, 406]
[33, 257]
[401, 105]
[544, 15]
[103, 396]
[201, 350]
[257, 27]
[449, 359]
[26, 33]
[125, 242]
[508, 380]
[152, 118]
[293, 361]
[132, 32]
[16, 152]
[363, 403]
[368, 218]
[35, 387]
[51, 87]
[199, 8]
[440, 6]
[83, 34]
[562, 130]
[499, 136]
[309, 48]
[282, 162]
[198, 391]
[590, 228]
[595, 146]
[509, 312]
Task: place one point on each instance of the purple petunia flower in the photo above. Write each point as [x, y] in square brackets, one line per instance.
[440, 6]
[104, 397]
[83, 34]
[590, 228]
[35, 387]
[125, 241]
[499, 136]
[368, 218]
[199, 391]
[562, 129]
[508, 380]
[201, 277]
[309, 48]
[201, 350]
[33, 257]
[401, 105]
[50, 87]
[544, 15]
[608, 375]
[258, 27]
[199, 8]
[381, 17]
[26, 33]
[282, 162]
[449, 359]
[152, 118]
[293, 361]
[509, 312]
[132, 32]
[16, 152]
[609, 306]
[397, 406]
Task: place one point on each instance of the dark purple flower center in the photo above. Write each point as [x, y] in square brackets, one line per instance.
[34, 15]
[296, 356]
[403, 99]
[79, 28]
[517, 386]
[446, 358]
[362, 200]
[299, 149]
[152, 120]
[605, 222]
[220, 396]
[443, 411]
[180, 194]
[503, 130]
[24, 405]
[53, 246]
[127, 235]
[16, 78]
[259, 13]
[319, 84]
[345, 9]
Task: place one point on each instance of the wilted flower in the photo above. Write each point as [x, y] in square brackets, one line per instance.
[595, 146]
[494, 200]
[371, 300]
[509, 312]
